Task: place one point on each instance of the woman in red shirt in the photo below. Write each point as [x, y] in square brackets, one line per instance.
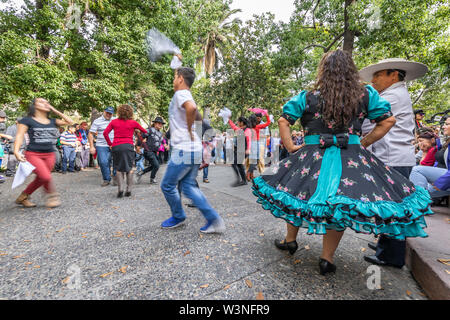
[427, 144]
[123, 147]
[258, 149]
[238, 167]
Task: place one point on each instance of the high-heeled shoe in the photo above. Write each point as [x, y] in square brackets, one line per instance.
[120, 194]
[326, 266]
[290, 246]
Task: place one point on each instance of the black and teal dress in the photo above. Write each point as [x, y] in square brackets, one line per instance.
[335, 183]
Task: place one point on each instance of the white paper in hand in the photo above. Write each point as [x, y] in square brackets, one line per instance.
[176, 63]
[23, 171]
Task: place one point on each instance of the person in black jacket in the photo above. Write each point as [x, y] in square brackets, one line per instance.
[154, 140]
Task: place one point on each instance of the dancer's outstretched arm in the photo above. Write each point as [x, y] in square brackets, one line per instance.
[65, 119]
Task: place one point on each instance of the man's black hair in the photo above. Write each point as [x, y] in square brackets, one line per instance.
[401, 73]
[188, 75]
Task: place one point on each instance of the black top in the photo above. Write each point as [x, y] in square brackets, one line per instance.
[313, 123]
[440, 158]
[42, 136]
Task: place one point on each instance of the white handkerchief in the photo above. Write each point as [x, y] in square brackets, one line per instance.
[23, 171]
[176, 63]
[225, 114]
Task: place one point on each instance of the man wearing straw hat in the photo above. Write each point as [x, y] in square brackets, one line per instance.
[396, 149]
[154, 141]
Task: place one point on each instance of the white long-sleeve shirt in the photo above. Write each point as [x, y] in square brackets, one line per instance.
[396, 148]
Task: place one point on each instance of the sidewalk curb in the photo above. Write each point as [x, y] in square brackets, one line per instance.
[422, 256]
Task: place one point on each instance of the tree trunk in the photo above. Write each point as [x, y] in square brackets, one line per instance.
[95, 114]
[349, 35]
[42, 34]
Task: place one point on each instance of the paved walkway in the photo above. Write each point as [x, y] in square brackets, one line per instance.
[96, 246]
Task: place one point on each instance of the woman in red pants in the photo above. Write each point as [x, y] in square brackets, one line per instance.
[43, 133]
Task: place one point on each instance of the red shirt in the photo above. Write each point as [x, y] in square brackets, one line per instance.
[430, 158]
[123, 131]
[247, 132]
[262, 126]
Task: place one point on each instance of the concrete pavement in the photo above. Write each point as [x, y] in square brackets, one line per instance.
[96, 246]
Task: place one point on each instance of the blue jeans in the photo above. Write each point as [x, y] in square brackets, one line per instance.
[205, 173]
[68, 155]
[104, 161]
[140, 163]
[425, 176]
[185, 174]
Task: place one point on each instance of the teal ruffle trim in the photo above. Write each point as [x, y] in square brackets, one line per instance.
[395, 220]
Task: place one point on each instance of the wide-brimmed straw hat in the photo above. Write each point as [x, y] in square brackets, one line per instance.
[414, 70]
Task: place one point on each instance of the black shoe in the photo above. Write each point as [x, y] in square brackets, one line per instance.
[191, 205]
[375, 260]
[120, 194]
[239, 183]
[128, 194]
[236, 184]
[290, 246]
[243, 183]
[372, 246]
[326, 267]
[63, 172]
[152, 181]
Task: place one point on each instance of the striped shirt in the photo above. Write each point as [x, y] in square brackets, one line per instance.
[98, 126]
[68, 137]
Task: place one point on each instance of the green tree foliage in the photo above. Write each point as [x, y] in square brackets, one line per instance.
[97, 58]
[417, 30]
[246, 77]
[102, 60]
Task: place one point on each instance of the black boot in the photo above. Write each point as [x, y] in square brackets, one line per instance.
[290, 246]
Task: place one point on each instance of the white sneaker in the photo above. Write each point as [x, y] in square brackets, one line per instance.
[218, 226]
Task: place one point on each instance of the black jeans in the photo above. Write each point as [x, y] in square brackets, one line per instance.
[239, 170]
[390, 250]
[152, 158]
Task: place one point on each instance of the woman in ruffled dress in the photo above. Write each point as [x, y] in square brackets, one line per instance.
[332, 182]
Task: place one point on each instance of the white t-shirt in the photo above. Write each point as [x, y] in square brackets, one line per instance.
[179, 134]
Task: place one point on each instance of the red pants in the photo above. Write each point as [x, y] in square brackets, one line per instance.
[44, 163]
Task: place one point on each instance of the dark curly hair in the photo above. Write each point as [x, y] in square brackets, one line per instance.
[125, 112]
[340, 88]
